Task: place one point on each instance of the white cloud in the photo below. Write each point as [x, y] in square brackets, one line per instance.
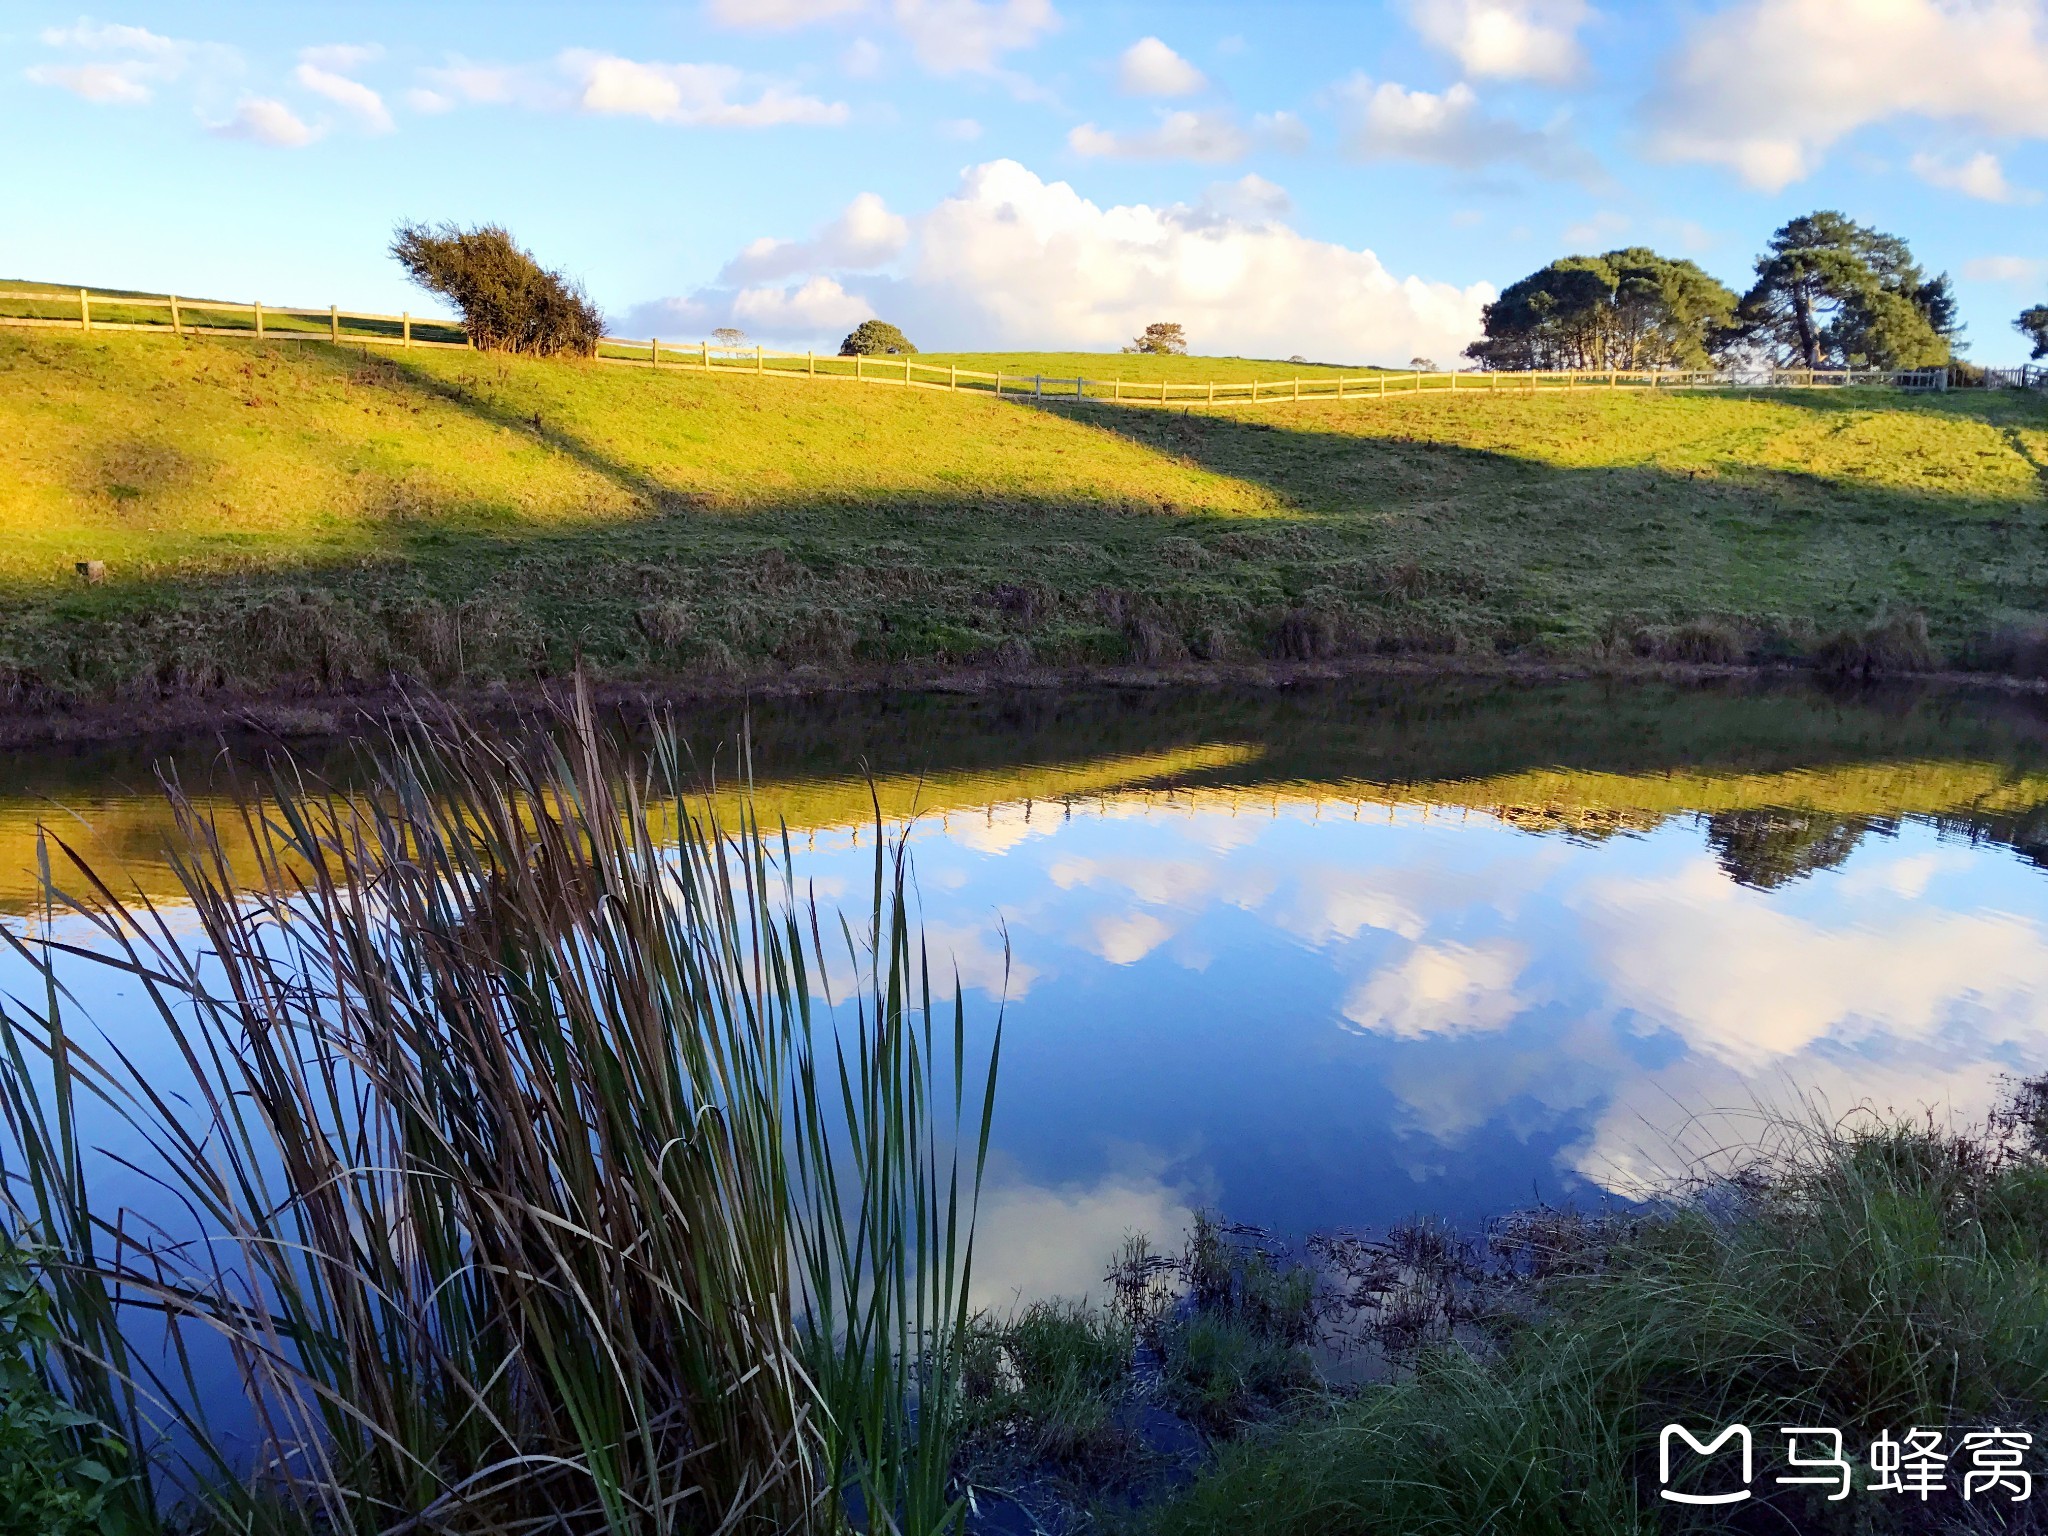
[1149, 68]
[108, 84]
[688, 95]
[1010, 260]
[420, 99]
[956, 36]
[266, 120]
[1767, 87]
[1506, 39]
[2005, 269]
[341, 57]
[1980, 176]
[1205, 137]
[1386, 121]
[866, 235]
[1744, 981]
[779, 15]
[1126, 938]
[140, 60]
[351, 95]
[862, 59]
[1602, 227]
[1441, 989]
[1034, 1241]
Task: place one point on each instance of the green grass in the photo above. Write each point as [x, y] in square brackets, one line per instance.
[1871, 1278]
[1138, 367]
[306, 516]
[216, 314]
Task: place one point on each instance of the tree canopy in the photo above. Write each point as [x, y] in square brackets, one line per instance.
[1162, 336]
[2033, 324]
[509, 301]
[875, 338]
[1631, 308]
[1832, 293]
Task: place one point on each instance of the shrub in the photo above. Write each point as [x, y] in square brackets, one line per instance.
[875, 338]
[509, 302]
[1164, 337]
[57, 1468]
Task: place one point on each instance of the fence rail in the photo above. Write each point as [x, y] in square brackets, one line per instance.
[81, 309]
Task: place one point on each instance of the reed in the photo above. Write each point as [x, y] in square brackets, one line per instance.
[525, 1166]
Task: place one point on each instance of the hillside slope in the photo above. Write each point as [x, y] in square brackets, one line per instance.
[282, 516]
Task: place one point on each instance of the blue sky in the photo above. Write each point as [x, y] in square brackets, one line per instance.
[1342, 181]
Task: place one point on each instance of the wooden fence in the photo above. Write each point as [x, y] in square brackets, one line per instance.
[84, 310]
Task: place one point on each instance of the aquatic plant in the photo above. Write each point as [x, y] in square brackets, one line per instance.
[521, 1165]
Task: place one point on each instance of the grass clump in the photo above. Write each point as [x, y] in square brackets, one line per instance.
[1043, 1386]
[1870, 1277]
[514, 1152]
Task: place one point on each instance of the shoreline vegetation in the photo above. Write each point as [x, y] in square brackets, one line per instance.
[209, 522]
[521, 1087]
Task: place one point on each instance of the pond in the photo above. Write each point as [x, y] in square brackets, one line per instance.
[1329, 956]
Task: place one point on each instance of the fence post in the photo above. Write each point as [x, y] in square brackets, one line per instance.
[258, 308]
[953, 377]
[1383, 381]
[84, 311]
[405, 320]
[906, 373]
[1212, 392]
[1162, 391]
[1117, 387]
[1297, 389]
[1038, 386]
[177, 324]
[999, 383]
[334, 322]
[1079, 391]
[811, 364]
[760, 364]
[654, 352]
[1454, 381]
[705, 356]
[1340, 386]
[1255, 391]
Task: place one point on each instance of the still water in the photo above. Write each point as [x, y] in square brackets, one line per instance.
[1331, 956]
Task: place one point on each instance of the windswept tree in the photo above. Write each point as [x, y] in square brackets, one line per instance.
[1627, 309]
[875, 338]
[509, 301]
[2033, 324]
[729, 337]
[1164, 337]
[1832, 293]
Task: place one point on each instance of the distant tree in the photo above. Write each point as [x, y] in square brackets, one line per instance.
[1767, 849]
[875, 338]
[2033, 324]
[509, 302]
[729, 336]
[1163, 337]
[1424, 365]
[1297, 358]
[1831, 292]
[1631, 308]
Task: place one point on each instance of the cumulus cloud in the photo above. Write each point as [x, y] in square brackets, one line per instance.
[1506, 39]
[1980, 176]
[2005, 269]
[688, 95]
[1010, 260]
[1441, 989]
[1149, 68]
[266, 120]
[1033, 1241]
[1128, 937]
[1387, 121]
[865, 236]
[1767, 87]
[352, 96]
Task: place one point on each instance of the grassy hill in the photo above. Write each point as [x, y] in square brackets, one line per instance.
[296, 515]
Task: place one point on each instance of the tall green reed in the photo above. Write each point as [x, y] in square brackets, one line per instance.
[526, 1168]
